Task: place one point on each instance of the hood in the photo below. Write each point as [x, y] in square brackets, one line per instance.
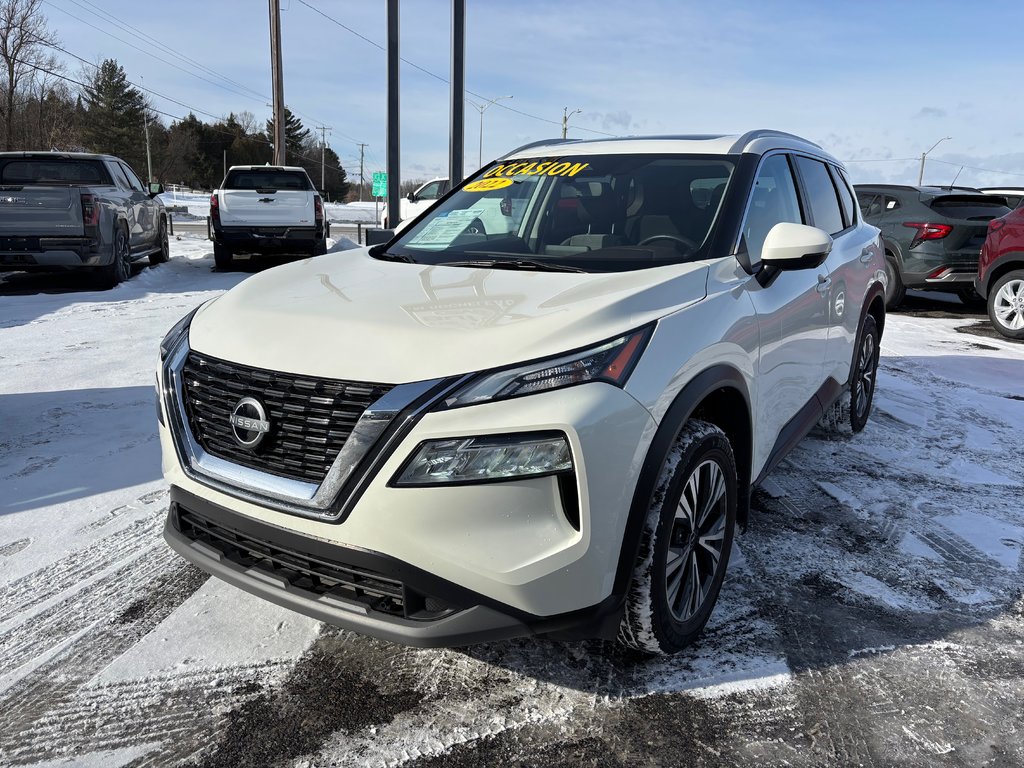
[349, 316]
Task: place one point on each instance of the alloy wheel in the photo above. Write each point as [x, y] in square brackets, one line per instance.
[1008, 305]
[697, 540]
[866, 370]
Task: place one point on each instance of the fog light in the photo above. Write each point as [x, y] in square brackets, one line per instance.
[486, 459]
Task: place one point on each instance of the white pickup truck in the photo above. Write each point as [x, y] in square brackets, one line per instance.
[264, 209]
[417, 202]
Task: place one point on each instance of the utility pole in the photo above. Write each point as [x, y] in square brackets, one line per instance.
[362, 147]
[278, 80]
[566, 114]
[458, 95]
[323, 152]
[481, 108]
[393, 152]
[145, 126]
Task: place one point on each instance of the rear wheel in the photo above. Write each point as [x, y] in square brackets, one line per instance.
[120, 267]
[895, 291]
[222, 257]
[685, 544]
[163, 255]
[1006, 304]
[850, 413]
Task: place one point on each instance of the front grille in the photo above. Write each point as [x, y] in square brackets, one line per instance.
[310, 419]
[320, 577]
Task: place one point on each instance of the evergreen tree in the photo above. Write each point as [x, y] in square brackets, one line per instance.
[296, 136]
[113, 121]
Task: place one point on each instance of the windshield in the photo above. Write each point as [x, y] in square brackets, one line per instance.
[594, 213]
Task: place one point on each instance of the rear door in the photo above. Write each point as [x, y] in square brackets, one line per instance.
[267, 197]
[831, 207]
[138, 206]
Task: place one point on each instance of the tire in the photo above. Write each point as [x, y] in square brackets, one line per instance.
[120, 267]
[319, 247]
[222, 257]
[971, 298]
[1006, 304]
[850, 413]
[697, 483]
[895, 291]
[163, 255]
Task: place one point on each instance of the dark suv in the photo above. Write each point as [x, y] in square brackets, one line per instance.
[932, 235]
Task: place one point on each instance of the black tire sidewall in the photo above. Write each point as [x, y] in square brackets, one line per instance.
[671, 633]
[894, 290]
[869, 327]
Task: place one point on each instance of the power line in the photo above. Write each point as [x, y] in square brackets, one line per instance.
[441, 78]
[975, 168]
[886, 160]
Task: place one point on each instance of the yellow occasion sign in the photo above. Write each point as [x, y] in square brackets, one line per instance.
[554, 167]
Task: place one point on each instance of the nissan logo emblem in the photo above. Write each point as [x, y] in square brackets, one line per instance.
[249, 422]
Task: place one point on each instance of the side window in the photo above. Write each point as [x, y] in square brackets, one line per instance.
[773, 200]
[133, 180]
[119, 178]
[430, 192]
[821, 195]
[845, 196]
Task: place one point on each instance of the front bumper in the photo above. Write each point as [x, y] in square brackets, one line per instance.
[363, 591]
[510, 545]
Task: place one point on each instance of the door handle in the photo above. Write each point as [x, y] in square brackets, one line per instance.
[824, 283]
[866, 254]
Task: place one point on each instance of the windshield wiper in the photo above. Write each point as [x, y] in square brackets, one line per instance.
[385, 256]
[541, 266]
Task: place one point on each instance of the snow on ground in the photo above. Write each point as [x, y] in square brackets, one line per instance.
[872, 614]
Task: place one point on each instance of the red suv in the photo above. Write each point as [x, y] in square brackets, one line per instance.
[1001, 273]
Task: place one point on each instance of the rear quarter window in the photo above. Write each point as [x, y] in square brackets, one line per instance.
[269, 180]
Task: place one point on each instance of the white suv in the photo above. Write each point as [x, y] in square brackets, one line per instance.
[552, 426]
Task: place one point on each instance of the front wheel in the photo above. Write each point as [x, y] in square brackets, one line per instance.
[685, 543]
[1006, 304]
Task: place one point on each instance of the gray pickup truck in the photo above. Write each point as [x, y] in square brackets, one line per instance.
[69, 210]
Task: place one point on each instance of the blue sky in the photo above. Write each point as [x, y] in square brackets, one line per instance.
[870, 81]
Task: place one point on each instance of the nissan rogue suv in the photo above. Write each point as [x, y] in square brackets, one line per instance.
[550, 423]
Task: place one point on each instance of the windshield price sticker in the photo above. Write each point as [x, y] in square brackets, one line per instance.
[553, 167]
[487, 185]
[444, 228]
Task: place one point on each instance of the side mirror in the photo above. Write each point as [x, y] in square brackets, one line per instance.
[155, 188]
[411, 197]
[795, 246]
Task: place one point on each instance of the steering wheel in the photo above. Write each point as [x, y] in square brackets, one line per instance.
[690, 245]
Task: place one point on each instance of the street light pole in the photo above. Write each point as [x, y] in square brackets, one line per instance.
[481, 108]
[920, 174]
[566, 114]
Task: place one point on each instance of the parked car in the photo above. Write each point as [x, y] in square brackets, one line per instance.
[1014, 196]
[418, 201]
[1001, 273]
[77, 211]
[550, 428]
[265, 209]
[932, 236]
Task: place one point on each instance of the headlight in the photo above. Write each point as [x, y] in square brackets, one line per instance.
[483, 459]
[611, 361]
[174, 336]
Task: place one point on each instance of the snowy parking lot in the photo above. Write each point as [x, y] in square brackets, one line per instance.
[873, 614]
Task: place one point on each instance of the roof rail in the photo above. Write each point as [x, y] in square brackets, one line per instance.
[538, 144]
[764, 133]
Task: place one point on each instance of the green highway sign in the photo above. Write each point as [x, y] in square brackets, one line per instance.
[380, 184]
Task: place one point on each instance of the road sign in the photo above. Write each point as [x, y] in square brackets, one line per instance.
[380, 184]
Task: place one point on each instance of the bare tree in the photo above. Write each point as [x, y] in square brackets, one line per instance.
[24, 36]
